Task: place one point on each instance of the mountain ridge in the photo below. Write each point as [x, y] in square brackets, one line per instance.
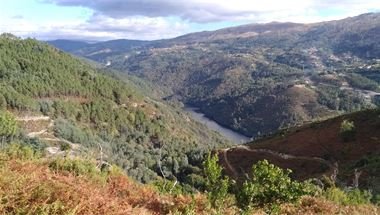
[284, 77]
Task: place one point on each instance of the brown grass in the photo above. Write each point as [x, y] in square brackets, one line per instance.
[311, 205]
[32, 188]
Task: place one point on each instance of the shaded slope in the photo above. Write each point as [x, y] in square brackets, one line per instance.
[317, 149]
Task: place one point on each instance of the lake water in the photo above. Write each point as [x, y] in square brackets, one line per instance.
[228, 133]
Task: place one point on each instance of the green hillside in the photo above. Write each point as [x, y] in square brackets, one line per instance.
[62, 103]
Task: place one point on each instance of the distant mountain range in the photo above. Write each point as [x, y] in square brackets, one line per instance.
[261, 77]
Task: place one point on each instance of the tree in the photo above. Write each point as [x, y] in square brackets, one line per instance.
[8, 125]
[347, 130]
[270, 185]
[3, 102]
[216, 184]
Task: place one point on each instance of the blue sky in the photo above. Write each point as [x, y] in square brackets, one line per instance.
[157, 19]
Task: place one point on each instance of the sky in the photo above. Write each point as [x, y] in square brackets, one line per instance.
[99, 20]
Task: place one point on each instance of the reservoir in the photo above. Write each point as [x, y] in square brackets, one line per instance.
[227, 133]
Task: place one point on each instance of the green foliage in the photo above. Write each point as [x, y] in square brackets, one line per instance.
[361, 82]
[65, 146]
[91, 106]
[8, 124]
[167, 186]
[270, 185]
[3, 102]
[350, 197]
[216, 184]
[74, 166]
[68, 131]
[21, 152]
[347, 130]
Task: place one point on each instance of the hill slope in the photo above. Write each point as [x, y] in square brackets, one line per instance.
[262, 77]
[30, 184]
[63, 102]
[100, 50]
[317, 149]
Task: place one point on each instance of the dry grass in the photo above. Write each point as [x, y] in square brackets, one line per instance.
[30, 187]
[311, 205]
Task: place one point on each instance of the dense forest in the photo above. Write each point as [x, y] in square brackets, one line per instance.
[145, 137]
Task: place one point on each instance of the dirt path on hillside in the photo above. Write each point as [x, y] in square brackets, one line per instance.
[37, 134]
[276, 154]
[33, 118]
[34, 134]
[229, 166]
[45, 133]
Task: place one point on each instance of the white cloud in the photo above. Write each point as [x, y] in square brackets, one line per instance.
[98, 27]
[153, 19]
[202, 11]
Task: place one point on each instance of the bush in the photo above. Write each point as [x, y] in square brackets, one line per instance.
[270, 185]
[22, 152]
[347, 130]
[350, 197]
[3, 102]
[8, 124]
[65, 146]
[74, 166]
[167, 186]
[216, 185]
[70, 132]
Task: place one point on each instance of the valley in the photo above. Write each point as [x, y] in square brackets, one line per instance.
[258, 78]
[70, 107]
[268, 118]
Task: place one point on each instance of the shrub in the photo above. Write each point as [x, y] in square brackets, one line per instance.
[70, 132]
[22, 152]
[347, 130]
[350, 197]
[8, 124]
[270, 185]
[216, 185]
[74, 166]
[3, 102]
[167, 186]
[65, 146]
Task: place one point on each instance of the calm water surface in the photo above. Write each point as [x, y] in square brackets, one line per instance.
[228, 133]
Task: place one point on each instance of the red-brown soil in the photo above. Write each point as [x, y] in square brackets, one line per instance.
[320, 140]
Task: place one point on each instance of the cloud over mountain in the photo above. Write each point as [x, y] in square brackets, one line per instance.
[202, 11]
[158, 19]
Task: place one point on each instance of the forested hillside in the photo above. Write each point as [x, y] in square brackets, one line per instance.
[261, 77]
[65, 104]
